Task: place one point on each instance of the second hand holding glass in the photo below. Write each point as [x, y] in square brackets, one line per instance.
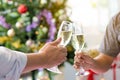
[65, 32]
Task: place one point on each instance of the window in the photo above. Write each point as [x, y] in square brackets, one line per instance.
[94, 16]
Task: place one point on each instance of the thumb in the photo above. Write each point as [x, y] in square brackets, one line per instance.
[56, 42]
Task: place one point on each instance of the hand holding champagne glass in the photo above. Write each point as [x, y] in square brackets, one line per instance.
[65, 32]
[78, 43]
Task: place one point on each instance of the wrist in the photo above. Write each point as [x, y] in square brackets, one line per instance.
[41, 59]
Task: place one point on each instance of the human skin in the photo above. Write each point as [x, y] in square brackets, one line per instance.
[48, 56]
[99, 64]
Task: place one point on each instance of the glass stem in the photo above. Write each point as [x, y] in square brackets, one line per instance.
[80, 72]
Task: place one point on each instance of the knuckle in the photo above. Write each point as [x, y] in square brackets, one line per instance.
[62, 49]
[48, 43]
[75, 57]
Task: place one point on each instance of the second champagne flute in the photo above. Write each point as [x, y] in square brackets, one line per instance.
[78, 43]
[65, 32]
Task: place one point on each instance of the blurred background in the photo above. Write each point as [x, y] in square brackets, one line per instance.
[26, 25]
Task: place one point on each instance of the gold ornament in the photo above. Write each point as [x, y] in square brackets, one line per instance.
[59, 2]
[36, 32]
[30, 0]
[16, 44]
[3, 39]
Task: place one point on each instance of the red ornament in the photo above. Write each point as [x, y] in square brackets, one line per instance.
[22, 9]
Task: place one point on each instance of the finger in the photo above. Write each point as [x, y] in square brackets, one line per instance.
[79, 54]
[75, 57]
[77, 67]
[86, 66]
[88, 59]
[56, 42]
[76, 52]
[79, 62]
[76, 60]
[63, 50]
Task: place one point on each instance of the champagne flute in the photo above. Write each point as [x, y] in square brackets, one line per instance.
[78, 43]
[65, 32]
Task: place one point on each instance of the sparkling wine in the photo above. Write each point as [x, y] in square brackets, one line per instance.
[65, 33]
[66, 36]
[78, 41]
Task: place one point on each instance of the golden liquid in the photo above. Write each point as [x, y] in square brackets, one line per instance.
[79, 41]
[66, 36]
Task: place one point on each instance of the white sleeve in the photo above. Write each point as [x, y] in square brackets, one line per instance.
[12, 64]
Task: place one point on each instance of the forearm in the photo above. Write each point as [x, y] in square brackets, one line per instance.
[102, 63]
[100, 67]
[34, 61]
[48, 56]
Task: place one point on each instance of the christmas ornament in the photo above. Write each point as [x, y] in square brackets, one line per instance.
[35, 19]
[45, 30]
[29, 43]
[22, 9]
[43, 2]
[19, 25]
[16, 44]
[30, 0]
[11, 32]
[59, 2]
[3, 39]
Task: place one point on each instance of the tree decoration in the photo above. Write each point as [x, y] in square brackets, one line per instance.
[29, 43]
[22, 8]
[19, 25]
[11, 32]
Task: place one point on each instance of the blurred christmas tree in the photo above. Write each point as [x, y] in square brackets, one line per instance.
[26, 25]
